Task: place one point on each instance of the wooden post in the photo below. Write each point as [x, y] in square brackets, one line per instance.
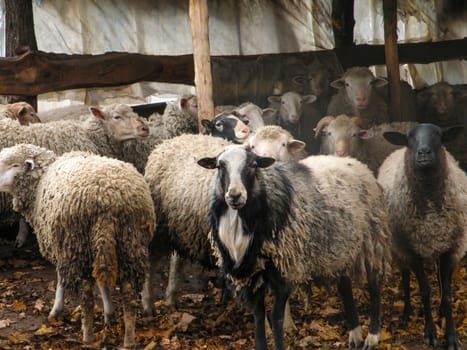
[392, 58]
[202, 59]
[20, 36]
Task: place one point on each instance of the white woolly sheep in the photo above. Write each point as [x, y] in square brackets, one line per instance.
[275, 142]
[357, 95]
[74, 112]
[179, 190]
[342, 136]
[271, 223]
[93, 217]
[103, 133]
[290, 111]
[426, 196]
[23, 112]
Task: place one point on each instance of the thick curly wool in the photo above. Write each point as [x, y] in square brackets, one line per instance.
[89, 213]
[322, 237]
[179, 188]
[445, 227]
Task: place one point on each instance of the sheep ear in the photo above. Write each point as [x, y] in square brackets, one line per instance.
[268, 112]
[378, 82]
[366, 134]
[29, 163]
[309, 98]
[207, 124]
[97, 112]
[274, 99]
[295, 145]
[395, 138]
[264, 162]
[208, 162]
[338, 83]
[451, 133]
[22, 111]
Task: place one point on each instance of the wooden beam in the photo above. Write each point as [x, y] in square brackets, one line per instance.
[199, 19]
[392, 58]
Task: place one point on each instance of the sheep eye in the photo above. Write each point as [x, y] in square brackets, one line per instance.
[117, 117]
[283, 144]
[219, 126]
[347, 84]
[252, 147]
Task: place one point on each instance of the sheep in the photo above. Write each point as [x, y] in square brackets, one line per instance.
[23, 112]
[426, 196]
[317, 81]
[254, 114]
[275, 142]
[357, 95]
[227, 125]
[102, 133]
[342, 136]
[290, 111]
[94, 219]
[73, 112]
[179, 191]
[280, 224]
[446, 105]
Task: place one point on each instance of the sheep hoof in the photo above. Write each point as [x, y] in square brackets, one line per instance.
[452, 342]
[109, 319]
[430, 335]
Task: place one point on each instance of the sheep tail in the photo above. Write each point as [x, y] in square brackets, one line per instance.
[105, 263]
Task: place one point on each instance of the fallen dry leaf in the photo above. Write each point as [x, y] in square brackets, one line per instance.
[184, 322]
[5, 323]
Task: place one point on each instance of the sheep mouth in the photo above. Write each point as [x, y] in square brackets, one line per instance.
[236, 205]
[424, 163]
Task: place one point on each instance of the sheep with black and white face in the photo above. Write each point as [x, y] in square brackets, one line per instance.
[270, 227]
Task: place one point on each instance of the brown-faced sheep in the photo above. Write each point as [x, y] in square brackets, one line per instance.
[23, 112]
[93, 217]
[342, 136]
[426, 197]
[270, 227]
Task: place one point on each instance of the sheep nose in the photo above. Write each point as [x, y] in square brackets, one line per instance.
[233, 196]
[340, 153]
[360, 99]
[424, 151]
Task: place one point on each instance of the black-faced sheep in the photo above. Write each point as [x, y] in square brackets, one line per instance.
[426, 196]
[445, 105]
[23, 112]
[277, 225]
[93, 217]
[342, 136]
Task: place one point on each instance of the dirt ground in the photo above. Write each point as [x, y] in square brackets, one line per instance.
[200, 320]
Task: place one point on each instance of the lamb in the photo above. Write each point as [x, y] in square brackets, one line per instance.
[275, 142]
[103, 133]
[254, 114]
[23, 112]
[357, 95]
[290, 111]
[94, 219]
[426, 196]
[342, 136]
[270, 226]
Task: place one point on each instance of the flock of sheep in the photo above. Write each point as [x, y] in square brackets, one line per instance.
[103, 190]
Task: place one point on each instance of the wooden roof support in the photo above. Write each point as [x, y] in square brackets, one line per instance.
[392, 58]
[202, 58]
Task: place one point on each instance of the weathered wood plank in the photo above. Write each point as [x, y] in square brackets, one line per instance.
[202, 58]
[392, 58]
[37, 72]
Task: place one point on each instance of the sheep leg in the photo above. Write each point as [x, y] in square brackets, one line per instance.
[87, 315]
[424, 287]
[281, 295]
[374, 330]
[446, 269]
[58, 302]
[23, 232]
[405, 284]
[129, 315]
[260, 317]
[344, 286]
[174, 272]
[147, 294]
[109, 308]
